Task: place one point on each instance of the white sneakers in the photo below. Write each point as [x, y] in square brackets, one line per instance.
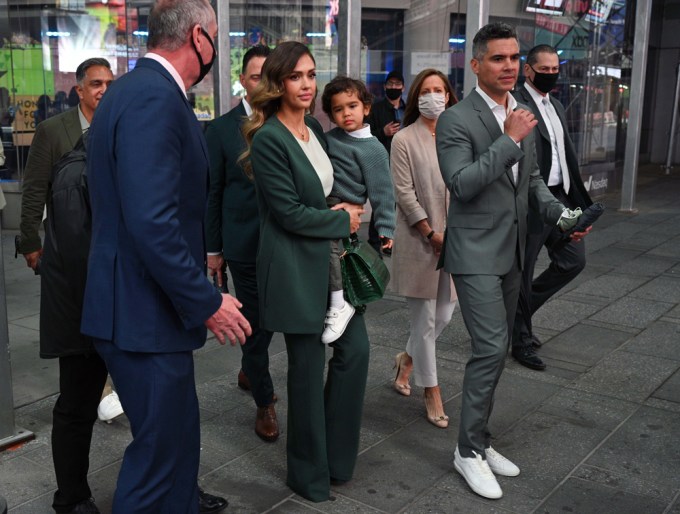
[499, 464]
[109, 407]
[336, 323]
[479, 473]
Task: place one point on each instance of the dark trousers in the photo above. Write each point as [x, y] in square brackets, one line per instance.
[255, 351]
[81, 380]
[488, 304]
[160, 466]
[324, 419]
[565, 264]
[373, 236]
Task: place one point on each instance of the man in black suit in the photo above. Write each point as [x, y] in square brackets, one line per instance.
[558, 163]
[232, 232]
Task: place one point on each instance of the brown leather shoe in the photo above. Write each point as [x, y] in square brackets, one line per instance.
[266, 426]
[244, 383]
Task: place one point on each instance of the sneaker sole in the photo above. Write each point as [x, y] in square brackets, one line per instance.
[338, 336]
[474, 488]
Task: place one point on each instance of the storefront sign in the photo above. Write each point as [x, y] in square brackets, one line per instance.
[423, 60]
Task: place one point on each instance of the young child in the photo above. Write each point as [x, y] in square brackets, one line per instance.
[361, 170]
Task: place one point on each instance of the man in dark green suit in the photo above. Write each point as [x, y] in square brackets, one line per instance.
[232, 231]
[487, 156]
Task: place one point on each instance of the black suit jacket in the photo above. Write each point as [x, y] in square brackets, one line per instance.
[577, 191]
[233, 223]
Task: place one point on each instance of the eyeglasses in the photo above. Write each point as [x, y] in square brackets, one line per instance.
[394, 84]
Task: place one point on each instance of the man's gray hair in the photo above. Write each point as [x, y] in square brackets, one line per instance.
[489, 32]
[170, 22]
[82, 68]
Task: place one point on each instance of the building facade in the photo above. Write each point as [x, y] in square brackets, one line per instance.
[44, 41]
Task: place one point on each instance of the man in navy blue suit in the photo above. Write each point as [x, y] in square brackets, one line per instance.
[148, 300]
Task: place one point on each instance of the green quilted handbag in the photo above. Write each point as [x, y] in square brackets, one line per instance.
[364, 274]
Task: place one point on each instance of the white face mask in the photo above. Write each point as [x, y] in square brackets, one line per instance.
[431, 105]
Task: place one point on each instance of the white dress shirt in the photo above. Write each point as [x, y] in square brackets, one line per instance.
[501, 113]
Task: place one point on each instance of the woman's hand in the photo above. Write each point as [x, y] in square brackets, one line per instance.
[436, 242]
[355, 211]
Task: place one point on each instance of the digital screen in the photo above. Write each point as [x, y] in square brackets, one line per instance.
[599, 11]
[555, 7]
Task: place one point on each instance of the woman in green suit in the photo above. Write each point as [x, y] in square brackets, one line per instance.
[293, 175]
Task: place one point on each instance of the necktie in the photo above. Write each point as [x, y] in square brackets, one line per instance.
[559, 139]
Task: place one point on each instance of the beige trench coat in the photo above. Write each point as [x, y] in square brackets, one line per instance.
[420, 193]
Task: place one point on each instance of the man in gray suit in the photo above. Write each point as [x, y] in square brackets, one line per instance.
[487, 157]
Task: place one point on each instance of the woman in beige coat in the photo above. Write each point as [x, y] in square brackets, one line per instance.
[422, 204]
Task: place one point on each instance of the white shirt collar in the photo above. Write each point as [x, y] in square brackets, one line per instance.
[362, 133]
[538, 97]
[169, 67]
[247, 107]
[84, 124]
[512, 103]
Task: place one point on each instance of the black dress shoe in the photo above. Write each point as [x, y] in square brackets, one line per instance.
[85, 507]
[208, 503]
[526, 356]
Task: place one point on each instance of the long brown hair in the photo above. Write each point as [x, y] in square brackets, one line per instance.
[266, 98]
[411, 112]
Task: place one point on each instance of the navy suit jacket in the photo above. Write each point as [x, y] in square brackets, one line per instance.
[147, 289]
[233, 222]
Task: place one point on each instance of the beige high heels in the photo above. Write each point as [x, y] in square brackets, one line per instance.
[404, 365]
[435, 408]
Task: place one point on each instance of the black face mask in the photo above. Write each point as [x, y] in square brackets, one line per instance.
[205, 67]
[544, 82]
[392, 94]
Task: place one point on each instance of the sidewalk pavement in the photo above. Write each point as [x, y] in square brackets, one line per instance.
[597, 432]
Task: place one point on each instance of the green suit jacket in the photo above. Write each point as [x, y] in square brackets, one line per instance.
[53, 138]
[487, 219]
[296, 227]
[232, 223]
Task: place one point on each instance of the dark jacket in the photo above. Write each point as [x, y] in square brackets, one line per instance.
[577, 192]
[232, 223]
[382, 113]
[296, 227]
[63, 268]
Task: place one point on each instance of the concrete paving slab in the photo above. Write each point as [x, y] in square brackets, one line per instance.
[610, 255]
[626, 375]
[588, 409]
[441, 501]
[669, 248]
[670, 389]
[404, 465]
[644, 240]
[588, 498]
[545, 448]
[646, 265]
[659, 339]
[646, 447]
[632, 312]
[609, 285]
[560, 314]
[662, 289]
[254, 482]
[632, 484]
[583, 344]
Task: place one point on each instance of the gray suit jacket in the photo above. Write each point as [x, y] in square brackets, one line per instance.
[487, 220]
